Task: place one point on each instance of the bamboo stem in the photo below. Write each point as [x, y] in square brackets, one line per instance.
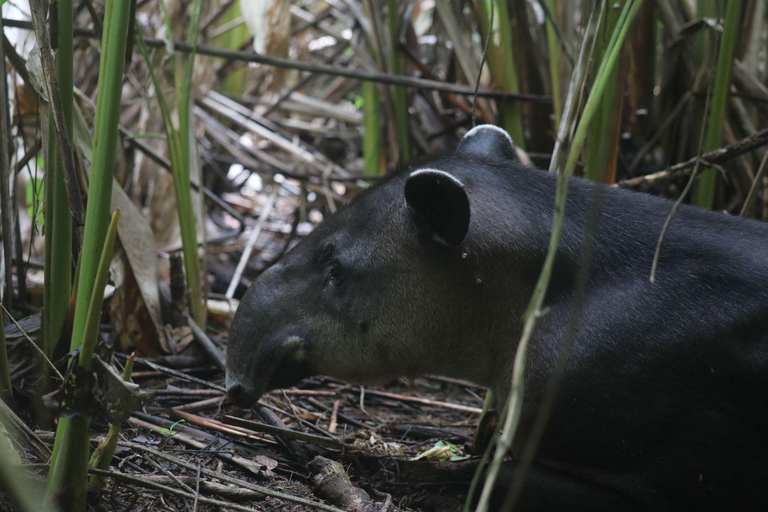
[705, 194]
[67, 479]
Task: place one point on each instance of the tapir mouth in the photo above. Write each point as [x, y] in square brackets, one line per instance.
[291, 369]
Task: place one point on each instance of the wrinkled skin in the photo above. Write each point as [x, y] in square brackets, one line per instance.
[663, 403]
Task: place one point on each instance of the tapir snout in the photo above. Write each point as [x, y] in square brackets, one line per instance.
[277, 358]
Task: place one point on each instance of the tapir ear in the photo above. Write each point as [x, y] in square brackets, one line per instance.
[439, 205]
[488, 141]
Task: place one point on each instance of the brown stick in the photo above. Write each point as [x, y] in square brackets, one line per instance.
[425, 401]
[681, 169]
[383, 78]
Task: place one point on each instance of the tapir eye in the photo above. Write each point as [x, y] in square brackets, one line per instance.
[335, 276]
[326, 256]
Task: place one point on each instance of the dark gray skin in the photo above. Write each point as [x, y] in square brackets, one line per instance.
[663, 403]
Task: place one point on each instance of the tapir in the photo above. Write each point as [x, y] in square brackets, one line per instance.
[662, 402]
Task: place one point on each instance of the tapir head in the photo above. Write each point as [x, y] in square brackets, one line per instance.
[376, 291]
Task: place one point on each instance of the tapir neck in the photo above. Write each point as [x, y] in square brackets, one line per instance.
[618, 232]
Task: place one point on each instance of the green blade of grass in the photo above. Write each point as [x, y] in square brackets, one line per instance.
[91, 329]
[179, 149]
[236, 81]
[58, 232]
[182, 184]
[554, 48]
[502, 65]
[705, 195]
[603, 135]
[399, 97]
[102, 166]
[512, 111]
[628, 13]
[6, 222]
[6, 392]
[67, 480]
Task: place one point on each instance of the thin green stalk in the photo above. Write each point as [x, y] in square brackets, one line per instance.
[104, 146]
[372, 133]
[236, 81]
[703, 44]
[704, 57]
[604, 130]
[179, 147]
[58, 248]
[512, 119]
[67, 480]
[64, 61]
[502, 65]
[5, 189]
[553, 44]
[628, 13]
[399, 97]
[6, 392]
[91, 329]
[705, 195]
[58, 219]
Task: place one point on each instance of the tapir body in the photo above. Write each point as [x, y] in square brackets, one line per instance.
[663, 401]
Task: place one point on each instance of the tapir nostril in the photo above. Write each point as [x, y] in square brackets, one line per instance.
[239, 395]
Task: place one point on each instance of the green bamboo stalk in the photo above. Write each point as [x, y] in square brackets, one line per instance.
[179, 147]
[594, 157]
[236, 81]
[6, 222]
[6, 393]
[703, 44]
[604, 131]
[512, 118]
[705, 195]
[502, 65]
[67, 479]
[91, 329]
[554, 47]
[372, 133]
[104, 146]
[399, 96]
[628, 13]
[58, 232]
[51, 308]
[704, 57]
